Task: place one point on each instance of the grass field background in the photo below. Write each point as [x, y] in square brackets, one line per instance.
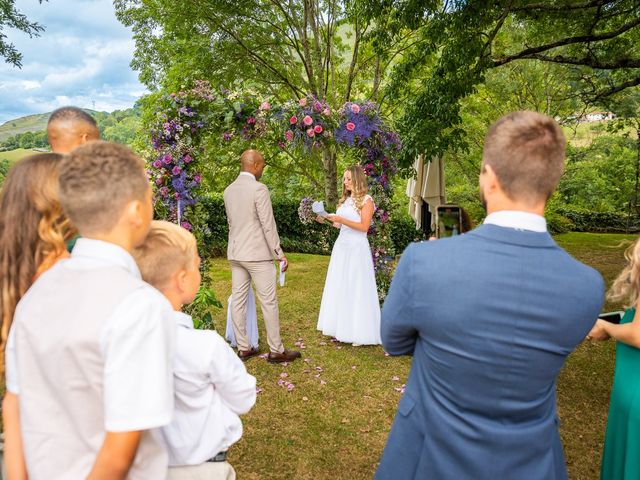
[335, 421]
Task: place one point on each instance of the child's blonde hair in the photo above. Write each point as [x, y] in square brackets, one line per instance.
[627, 286]
[167, 249]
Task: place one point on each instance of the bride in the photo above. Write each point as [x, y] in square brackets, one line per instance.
[350, 310]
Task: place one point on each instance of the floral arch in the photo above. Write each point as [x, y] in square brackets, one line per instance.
[183, 119]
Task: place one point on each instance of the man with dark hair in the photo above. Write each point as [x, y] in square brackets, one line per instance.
[70, 127]
[490, 317]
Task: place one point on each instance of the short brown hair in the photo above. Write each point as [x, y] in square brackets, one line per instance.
[167, 249]
[526, 150]
[97, 180]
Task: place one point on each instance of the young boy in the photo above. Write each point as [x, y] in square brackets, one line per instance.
[91, 347]
[212, 386]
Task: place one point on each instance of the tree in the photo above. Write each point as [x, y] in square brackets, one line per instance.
[12, 18]
[596, 41]
[284, 48]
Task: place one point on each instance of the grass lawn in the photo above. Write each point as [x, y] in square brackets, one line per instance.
[334, 423]
[17, 154]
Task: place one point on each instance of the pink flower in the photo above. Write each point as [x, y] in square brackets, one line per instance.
[197, 178]
[284, 375]
[317, 129]
[157, 164]
[187, 159]
[290, 386]
[326, 111]
[303, 102]
[351, 126]
[293, 120]
[317, 106]
[251, 120]
[288, 135]
[265, 106]
[307, 120]
[158, 181]
[310, 133]
[176, 170]
[355, 108]
[166, 159]
[258, 390]
[164, 191]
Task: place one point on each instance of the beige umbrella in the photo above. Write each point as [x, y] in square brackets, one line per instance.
[433, 188]
[414, 189]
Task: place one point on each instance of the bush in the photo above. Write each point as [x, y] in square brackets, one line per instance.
[294, 235]
[600, 222]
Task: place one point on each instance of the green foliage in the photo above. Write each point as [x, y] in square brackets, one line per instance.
[202, 307]
[601, 222]
[4, 169]
[12, 18]
[25, 140]
[456, 44]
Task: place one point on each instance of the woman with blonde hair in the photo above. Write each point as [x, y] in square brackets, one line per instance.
[33, 236]
[350, 310]
[620, 459]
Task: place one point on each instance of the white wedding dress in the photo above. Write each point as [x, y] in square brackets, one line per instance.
[350, 310]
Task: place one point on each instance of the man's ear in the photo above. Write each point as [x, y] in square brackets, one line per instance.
[133, 211]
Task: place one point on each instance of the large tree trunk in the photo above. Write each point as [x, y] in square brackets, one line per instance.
[330, 176]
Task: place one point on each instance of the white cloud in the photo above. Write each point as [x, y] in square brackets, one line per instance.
[81, 58]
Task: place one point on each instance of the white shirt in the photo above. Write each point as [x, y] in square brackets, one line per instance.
[90, 350]
[518, 220]
[212, 387]
[248, 174]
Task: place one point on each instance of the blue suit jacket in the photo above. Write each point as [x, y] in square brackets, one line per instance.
[489, 318]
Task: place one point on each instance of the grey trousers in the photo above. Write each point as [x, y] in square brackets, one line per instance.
[204, 471]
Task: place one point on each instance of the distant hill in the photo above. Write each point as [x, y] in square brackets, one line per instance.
[30, 123]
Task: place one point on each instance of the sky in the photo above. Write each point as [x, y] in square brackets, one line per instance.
[82, 57]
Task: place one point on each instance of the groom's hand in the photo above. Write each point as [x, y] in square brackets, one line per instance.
[286, 263]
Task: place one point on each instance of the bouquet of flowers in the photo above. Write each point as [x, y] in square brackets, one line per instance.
[305, 211]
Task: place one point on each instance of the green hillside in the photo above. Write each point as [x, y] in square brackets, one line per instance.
[17, 154]
[30, 123]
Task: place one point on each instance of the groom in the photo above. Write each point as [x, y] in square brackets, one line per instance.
[253, 245]
[490, 317]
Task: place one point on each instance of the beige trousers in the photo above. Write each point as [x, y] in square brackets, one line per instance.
[204, 471]
[263, 275]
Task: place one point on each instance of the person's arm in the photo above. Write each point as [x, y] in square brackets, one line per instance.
[366, 214]
[399, 335]
[13, 448]
[229, 377]
[320, 219]
[115, 456]
[268, 221]
[628, 333]
[13, 452]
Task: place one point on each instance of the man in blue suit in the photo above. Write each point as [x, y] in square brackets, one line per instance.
[490, 317]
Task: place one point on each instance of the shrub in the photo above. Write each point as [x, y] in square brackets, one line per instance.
[294, 235]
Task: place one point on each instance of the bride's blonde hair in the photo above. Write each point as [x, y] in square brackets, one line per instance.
[627, 285]
[358, 184]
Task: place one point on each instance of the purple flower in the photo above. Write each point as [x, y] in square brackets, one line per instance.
[157, 164]
[186, 225]
[197, 178]
[164, 191]
[166, 159]
[226, 136]
[187, 158]
[158, 181]
[317, 106]
[176, 170]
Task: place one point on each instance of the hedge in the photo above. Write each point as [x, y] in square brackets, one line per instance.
[597, 222]
[294, 235]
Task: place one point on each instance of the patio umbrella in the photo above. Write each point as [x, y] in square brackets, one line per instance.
[433, 188]
[414, 189]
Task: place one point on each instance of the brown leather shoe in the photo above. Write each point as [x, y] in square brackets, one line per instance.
[247, 354]
[286, 356]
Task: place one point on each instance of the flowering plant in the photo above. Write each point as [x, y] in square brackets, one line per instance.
[174, 138]
[308, 122]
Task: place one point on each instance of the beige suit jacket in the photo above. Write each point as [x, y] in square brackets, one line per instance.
[253, 235]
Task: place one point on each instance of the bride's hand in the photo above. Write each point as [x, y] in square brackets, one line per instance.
[319, 219]
[334, 218]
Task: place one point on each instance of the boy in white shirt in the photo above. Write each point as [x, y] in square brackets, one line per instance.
[89, 355]
[212, 386]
